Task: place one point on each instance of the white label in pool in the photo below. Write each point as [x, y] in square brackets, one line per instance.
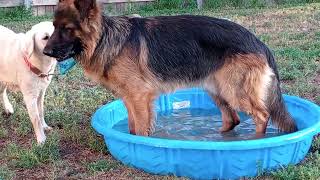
[181, 104]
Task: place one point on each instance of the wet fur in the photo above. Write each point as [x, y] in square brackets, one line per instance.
[139, 58]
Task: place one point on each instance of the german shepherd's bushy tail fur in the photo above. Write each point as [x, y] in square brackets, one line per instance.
[279, 114]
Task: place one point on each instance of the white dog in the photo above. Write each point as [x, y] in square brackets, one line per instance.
[24, 66]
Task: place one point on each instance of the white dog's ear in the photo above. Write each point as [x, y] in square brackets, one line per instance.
[28, 43]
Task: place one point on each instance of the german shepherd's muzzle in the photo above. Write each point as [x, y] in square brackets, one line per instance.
[63, 44]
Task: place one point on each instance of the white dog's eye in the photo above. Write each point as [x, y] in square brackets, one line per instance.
[46, 37]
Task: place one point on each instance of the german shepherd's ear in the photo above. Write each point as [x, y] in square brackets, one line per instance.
[84, 7]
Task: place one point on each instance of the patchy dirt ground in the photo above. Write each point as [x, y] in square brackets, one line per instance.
[75, 151]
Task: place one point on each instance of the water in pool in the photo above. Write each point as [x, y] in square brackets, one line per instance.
[201, 125]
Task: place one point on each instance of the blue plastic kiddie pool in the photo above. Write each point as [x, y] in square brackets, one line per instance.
[207, 159]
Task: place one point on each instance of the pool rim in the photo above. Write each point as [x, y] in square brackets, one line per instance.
[298, 136]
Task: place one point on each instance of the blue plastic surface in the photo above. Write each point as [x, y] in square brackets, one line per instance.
[207, 159]
[66, 65]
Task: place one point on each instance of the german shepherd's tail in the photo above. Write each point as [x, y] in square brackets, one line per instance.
[279, 114]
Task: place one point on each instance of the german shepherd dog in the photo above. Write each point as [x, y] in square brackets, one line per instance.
[139, 58]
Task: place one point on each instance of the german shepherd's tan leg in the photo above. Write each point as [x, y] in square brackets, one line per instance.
[235, 116]
[140, 112]
[130, 109]
[256, 108]
[243, 83]
[260, 116]
[128, 80]
[230, 118]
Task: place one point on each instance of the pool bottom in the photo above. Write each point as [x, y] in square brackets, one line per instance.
[200, 125]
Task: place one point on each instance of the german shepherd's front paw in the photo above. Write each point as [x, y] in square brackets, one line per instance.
[147, 131]
[228, 127]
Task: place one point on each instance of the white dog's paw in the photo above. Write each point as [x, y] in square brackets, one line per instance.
[8, 110]
[47, 128]
[41, 140]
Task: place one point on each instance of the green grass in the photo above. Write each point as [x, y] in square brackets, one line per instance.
[16, 14]
[3, 132]
[316, 145]
[307, 171]
[5, 173]
[34, 156]
[160, 5]
[102, 165]
[75, 150]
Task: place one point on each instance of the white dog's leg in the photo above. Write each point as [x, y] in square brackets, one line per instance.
[32, 106]
[41, 110]
[8, 109]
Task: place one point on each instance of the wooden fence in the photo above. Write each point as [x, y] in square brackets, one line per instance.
[41, 7]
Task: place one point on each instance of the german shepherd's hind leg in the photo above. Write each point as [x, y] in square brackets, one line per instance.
[244, 83]
[260, 117]
[230, 118]
[140, 113]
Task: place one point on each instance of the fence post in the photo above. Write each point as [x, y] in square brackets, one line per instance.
[200, 4]
[27, 3]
